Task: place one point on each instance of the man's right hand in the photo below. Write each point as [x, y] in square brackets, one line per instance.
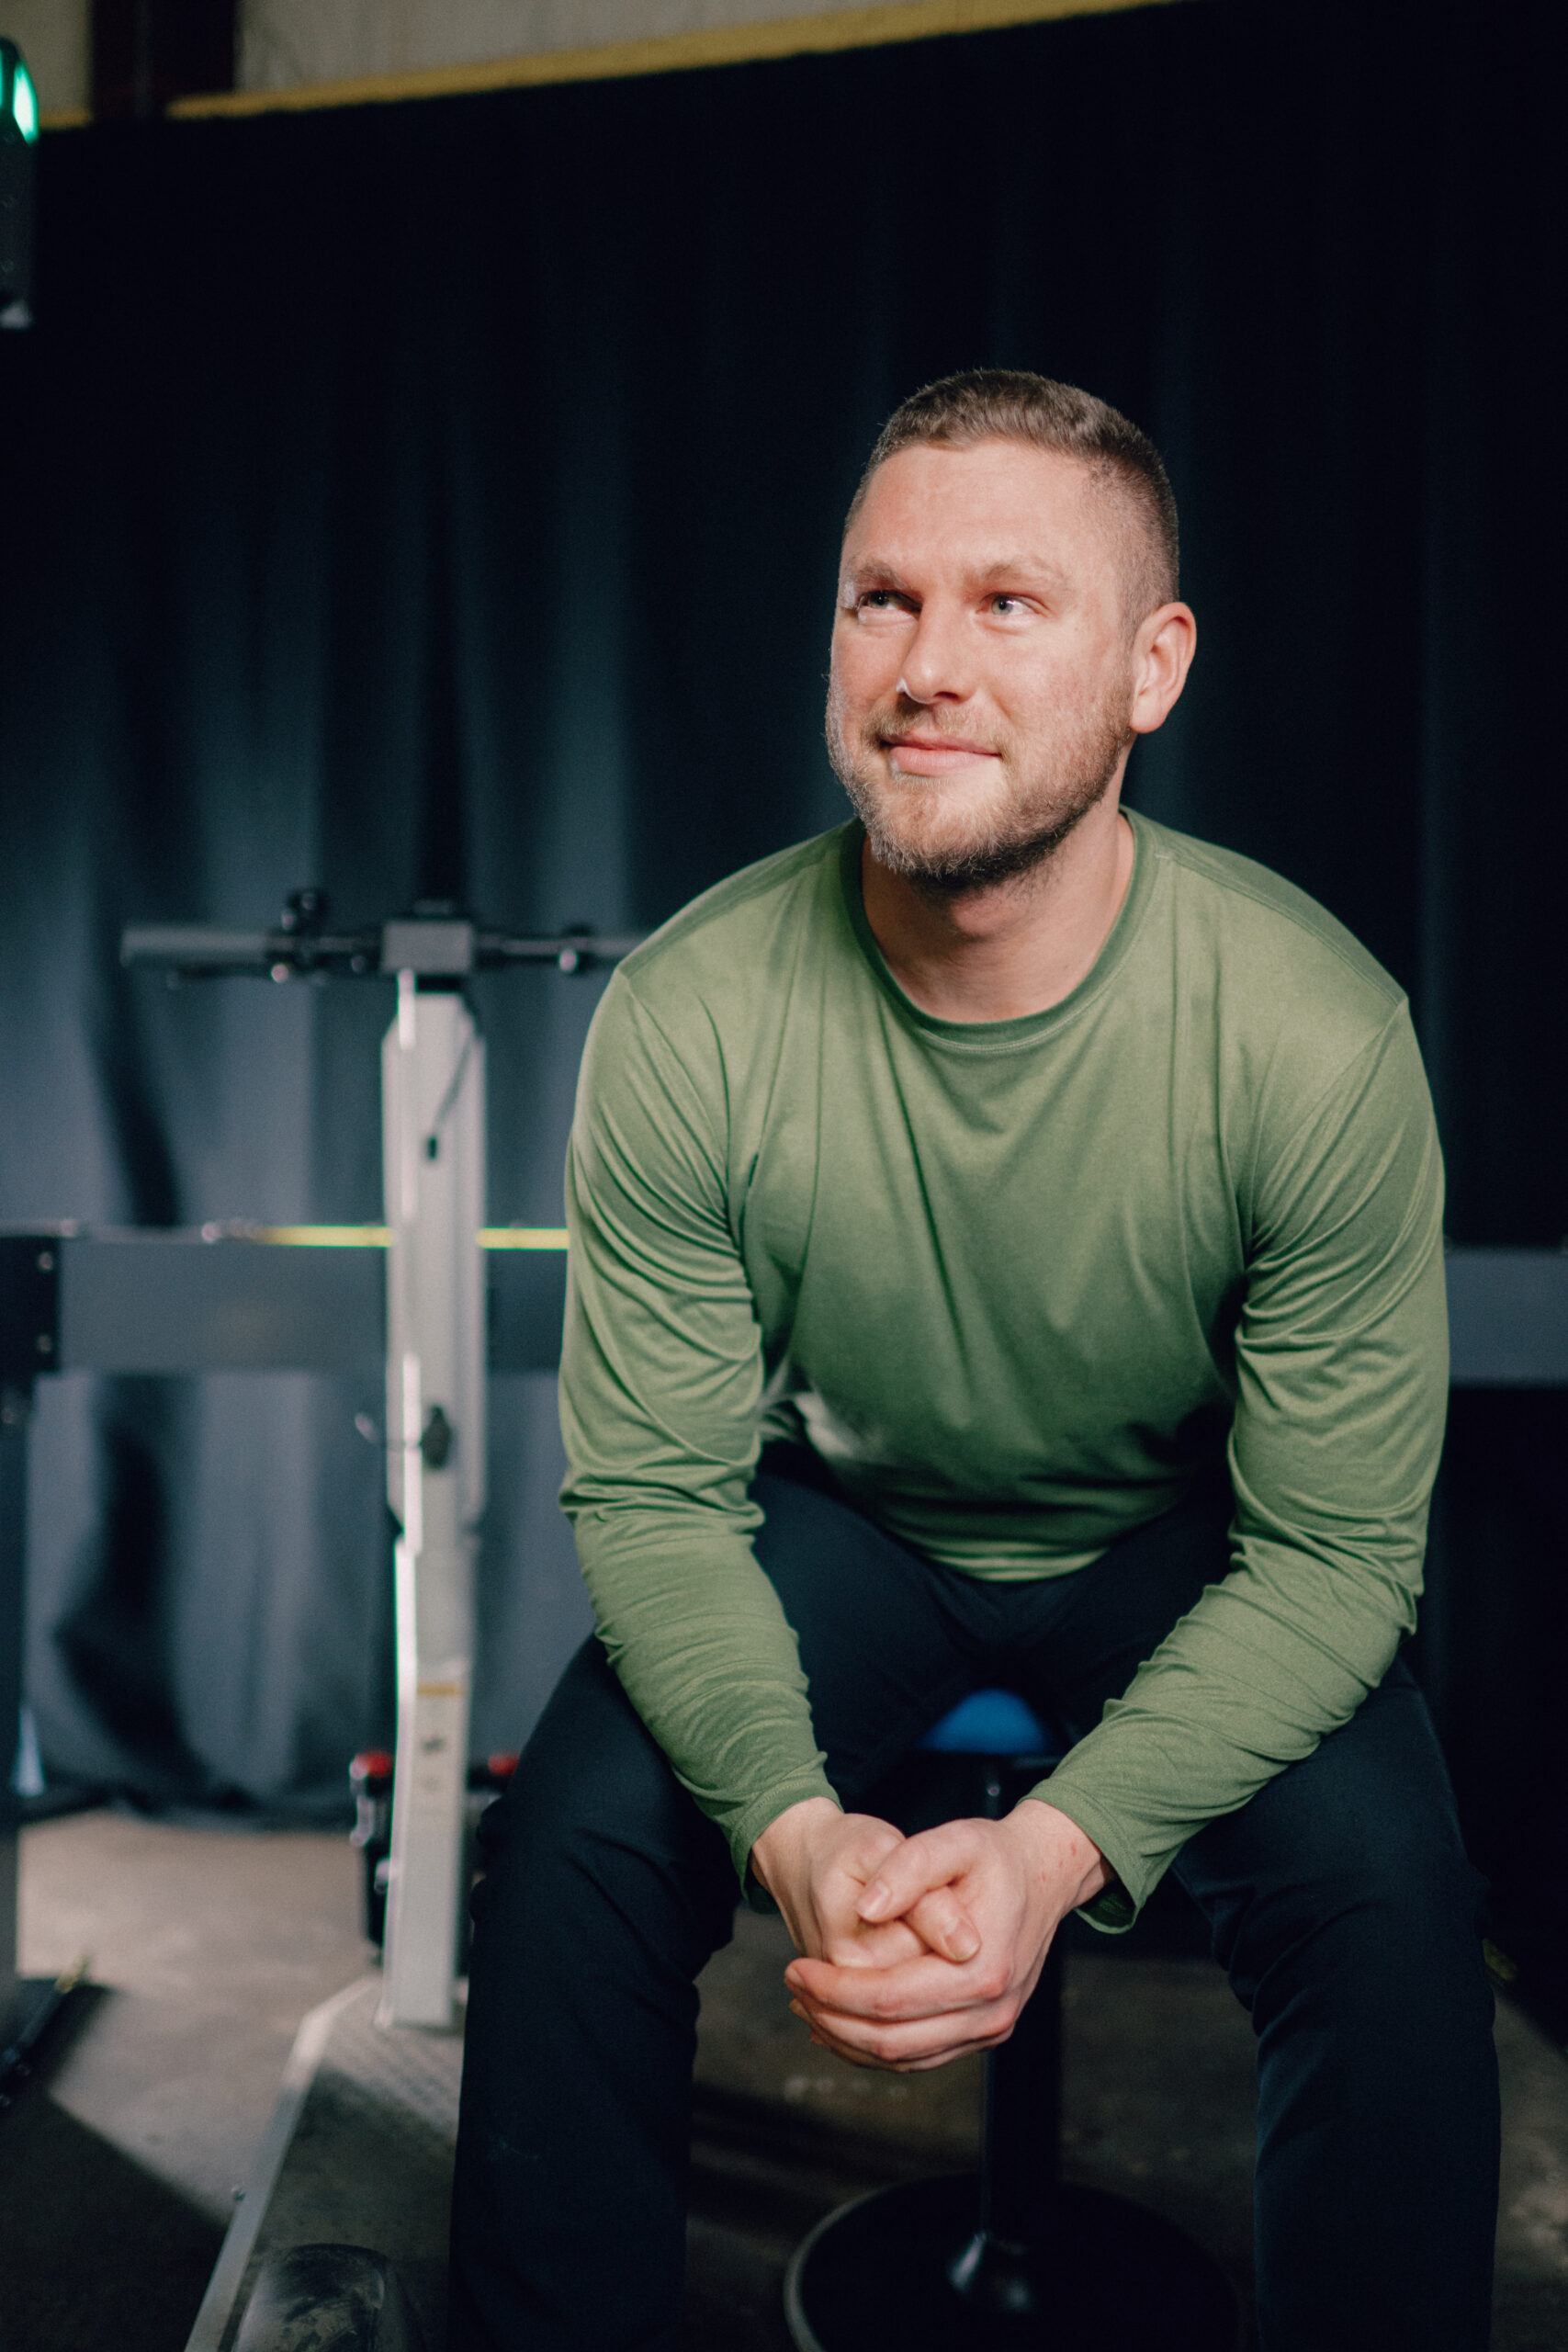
[816, 1863]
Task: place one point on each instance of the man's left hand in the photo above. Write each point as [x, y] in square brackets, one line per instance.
[1016, 1878]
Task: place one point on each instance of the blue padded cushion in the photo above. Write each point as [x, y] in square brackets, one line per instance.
[990, 1723]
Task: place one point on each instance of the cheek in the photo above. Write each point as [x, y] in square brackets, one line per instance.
[1046, 693]
[865, 665]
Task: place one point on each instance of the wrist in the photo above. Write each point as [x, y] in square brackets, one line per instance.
[777, 1851]
[1059, 1851]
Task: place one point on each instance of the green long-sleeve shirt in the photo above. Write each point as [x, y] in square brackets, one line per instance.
[1015, 1281]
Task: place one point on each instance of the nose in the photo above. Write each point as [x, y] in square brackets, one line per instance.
[937, 660]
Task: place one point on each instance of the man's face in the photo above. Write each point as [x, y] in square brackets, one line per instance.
[982, 674]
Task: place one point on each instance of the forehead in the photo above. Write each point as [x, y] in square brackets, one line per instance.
[935, 507]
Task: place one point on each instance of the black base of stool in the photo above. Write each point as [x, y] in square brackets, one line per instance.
[1118, 2278]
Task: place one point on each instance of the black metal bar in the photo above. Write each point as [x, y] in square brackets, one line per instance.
[174, 1303]
[30, 1308]
[1023, 2117]
[140, 1301]
[14, 1414]
[448, 947]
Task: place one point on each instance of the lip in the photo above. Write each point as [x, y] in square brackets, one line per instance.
[933, 754]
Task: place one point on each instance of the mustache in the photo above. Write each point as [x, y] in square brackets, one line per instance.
[900, 716]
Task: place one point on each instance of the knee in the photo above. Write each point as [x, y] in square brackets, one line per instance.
[1382, 1968]
[594, 1817]
[1377, 1900]
[589, 1766]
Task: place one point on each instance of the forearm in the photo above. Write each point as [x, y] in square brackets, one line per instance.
[1268, 1663]
[702, 1647]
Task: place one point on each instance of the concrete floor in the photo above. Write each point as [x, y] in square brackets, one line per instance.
[120, 2163]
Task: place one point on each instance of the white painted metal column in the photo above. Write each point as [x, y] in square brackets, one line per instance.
[434, 1136]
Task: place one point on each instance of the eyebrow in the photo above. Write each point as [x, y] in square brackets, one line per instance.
[1035, 569]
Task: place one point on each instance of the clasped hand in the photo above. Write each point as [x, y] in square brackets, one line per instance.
[912, 1951]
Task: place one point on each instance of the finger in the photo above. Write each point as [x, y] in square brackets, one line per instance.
[864, 1946]
[917, 1988]
[911, 2048]
[821, 2038]
[946, 1929]
[933, 1859]
[942, 1923]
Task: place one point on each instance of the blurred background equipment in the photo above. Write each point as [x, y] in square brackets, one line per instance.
[19, 139]
[433, 1149]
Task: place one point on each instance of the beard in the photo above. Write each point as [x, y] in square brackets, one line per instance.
[947, 841]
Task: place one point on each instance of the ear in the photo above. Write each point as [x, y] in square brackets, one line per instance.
[1162, 655]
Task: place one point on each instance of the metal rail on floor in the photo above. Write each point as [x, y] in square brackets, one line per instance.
[240, 2240]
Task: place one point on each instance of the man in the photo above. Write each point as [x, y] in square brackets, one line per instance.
[1058, 1201]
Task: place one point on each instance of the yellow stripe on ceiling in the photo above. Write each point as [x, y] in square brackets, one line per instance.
[895, 20]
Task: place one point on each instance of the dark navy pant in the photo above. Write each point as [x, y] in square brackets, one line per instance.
[1339, 1899]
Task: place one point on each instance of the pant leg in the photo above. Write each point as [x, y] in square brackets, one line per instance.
[1345, 1910]
[604, 1893]
[1343, 1906]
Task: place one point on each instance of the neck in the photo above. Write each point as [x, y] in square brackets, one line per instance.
[1014, 947]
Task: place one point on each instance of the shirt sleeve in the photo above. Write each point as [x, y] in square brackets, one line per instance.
[1341, 1381]
[662, 1386]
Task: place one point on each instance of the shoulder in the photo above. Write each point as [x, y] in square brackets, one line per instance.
[1303, 1029]
[738, 911]
[1255, 914]
[697, 1000]
[1279, 962]
[742, 939]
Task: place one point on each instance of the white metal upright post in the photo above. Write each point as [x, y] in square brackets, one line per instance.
[433, 1133]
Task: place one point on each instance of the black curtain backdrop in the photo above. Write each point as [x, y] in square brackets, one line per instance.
[443, 499]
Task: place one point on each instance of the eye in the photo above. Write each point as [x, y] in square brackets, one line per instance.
[875, 605]
[1009, 606]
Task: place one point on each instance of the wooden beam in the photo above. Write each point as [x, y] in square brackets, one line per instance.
[671, 53]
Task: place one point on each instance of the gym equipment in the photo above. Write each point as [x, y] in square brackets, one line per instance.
[370, 1777]
[433, 1123]
[244, 1297]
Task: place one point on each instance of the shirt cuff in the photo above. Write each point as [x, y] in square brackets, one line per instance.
[744, 1829]
[1113, 1910]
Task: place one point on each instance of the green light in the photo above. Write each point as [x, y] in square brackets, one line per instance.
[23, 101]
